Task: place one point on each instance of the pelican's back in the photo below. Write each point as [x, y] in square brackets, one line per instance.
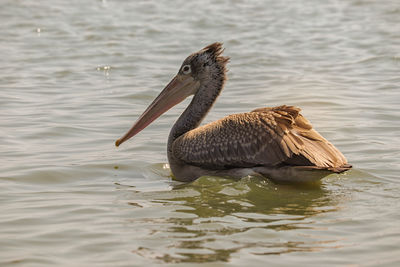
[271, 137]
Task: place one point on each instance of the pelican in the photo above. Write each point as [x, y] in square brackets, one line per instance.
[275, 142]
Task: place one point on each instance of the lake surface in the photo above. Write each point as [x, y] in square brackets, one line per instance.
[75, 75]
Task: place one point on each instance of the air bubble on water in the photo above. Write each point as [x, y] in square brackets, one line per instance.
[105, 69]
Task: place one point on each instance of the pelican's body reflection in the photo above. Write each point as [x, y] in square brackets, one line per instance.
[213, 217]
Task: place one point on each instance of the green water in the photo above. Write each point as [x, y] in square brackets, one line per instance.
[75, 75]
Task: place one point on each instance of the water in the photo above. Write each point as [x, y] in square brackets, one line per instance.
[76, 74]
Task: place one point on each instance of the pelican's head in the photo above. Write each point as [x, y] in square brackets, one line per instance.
[206, 66]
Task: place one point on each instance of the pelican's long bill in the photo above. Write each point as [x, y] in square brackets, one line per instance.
[180, 87]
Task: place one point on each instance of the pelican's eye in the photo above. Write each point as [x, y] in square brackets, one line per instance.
[186, 69]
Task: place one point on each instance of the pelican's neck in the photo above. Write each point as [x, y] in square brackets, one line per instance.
[198, 108]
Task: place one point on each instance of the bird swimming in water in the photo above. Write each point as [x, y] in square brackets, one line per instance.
[278, 142]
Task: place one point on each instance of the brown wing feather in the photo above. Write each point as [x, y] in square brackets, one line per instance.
[263, 137]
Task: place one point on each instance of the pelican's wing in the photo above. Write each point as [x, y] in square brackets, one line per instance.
[263, 137]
